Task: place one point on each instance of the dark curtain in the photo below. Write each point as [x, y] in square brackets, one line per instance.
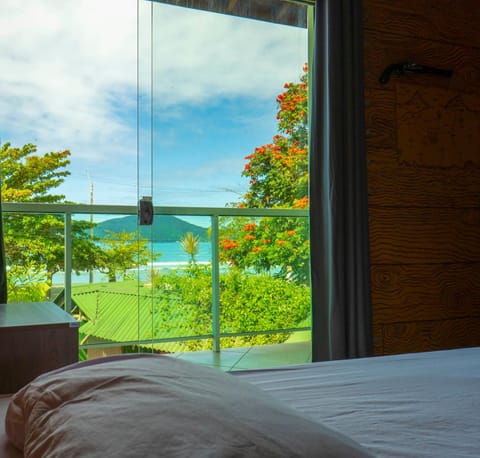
[341, 309]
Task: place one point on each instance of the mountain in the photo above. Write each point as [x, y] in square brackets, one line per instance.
[165, 228]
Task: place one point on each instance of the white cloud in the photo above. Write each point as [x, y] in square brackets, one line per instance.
[69, 69]
[202, 56]
[62, 63]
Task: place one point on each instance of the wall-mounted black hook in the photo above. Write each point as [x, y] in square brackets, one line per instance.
[404, 68]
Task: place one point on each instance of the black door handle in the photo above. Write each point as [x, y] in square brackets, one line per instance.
[404, 68]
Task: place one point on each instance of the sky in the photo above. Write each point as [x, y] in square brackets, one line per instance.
[75, 74]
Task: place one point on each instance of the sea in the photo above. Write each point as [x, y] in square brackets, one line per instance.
[172, 257]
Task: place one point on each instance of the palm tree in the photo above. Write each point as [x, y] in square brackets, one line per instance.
[190, 244]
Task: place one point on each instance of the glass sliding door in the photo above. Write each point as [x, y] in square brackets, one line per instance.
[223, 135]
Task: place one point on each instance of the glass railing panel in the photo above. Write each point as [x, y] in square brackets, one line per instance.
[151, 287]
[105, 287]
[34, 251]
[255, 282]
[180, 283]
[264, 280]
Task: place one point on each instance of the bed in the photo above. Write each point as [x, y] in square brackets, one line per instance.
[413, 405]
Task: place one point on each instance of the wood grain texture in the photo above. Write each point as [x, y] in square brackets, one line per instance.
[380, 118]
[431, 335]
[454, 21]
[34, 338]
[409, 293]
[383, 49]
[424, 174]
[28, 352]
[437, 127]
[424, 235]
[394, 182]
[378, 340]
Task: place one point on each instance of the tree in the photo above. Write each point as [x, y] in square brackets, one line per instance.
[27, 283]
[278, 173]
[190, 244]
[37, 241]
[123, 251]
[27, 177]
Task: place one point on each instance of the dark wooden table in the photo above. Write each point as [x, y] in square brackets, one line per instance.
[35, 337]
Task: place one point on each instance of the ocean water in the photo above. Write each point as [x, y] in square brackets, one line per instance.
[172, 257]
[172, 253]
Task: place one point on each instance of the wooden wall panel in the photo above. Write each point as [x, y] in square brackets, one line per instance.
[437, 127]
[425, 292]
[431, 335]
[378, 339]
[423, 144]
[452, 21]
[393, 182]
[380, 118]
[424, 235]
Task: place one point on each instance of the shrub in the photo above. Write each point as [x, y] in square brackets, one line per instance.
[249, 302]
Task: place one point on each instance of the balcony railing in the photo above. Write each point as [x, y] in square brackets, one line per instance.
[70, 211]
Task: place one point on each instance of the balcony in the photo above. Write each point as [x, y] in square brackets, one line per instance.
[136, 315]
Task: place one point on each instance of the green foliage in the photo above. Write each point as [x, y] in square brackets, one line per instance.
[28, 177]
[122, 251]
[190, 244]
[278, 175]
[278, 171]
[275, 246]
[249, 303]
[37, 241]
[261, 303]
[27, 283]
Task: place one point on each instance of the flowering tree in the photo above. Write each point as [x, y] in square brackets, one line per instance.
[278, 173]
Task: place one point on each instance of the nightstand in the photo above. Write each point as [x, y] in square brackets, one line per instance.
[35, 337]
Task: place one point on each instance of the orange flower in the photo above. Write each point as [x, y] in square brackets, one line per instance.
[281, 242]
[256, 249]
[249, 227]
[228, 244]
[249, 237]
[292, 232]
[301, 203]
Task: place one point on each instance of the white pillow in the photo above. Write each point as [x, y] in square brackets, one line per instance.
[150, 406]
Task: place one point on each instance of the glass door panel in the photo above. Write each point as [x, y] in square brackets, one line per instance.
[220, 91]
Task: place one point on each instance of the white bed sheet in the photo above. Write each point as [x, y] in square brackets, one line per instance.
[411, 405]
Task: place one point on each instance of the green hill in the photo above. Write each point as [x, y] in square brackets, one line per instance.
[165, 228]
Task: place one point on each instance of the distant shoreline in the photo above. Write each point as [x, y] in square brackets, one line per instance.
[172, 257]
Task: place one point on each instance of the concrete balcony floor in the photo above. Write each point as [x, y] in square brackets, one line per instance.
[258, 357]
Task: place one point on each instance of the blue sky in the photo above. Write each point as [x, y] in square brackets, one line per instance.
[69, 81]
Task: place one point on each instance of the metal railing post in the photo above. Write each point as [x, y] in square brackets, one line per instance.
[215, 285]
[68, 262]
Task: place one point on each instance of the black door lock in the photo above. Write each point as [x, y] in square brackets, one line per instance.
[145, 211]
